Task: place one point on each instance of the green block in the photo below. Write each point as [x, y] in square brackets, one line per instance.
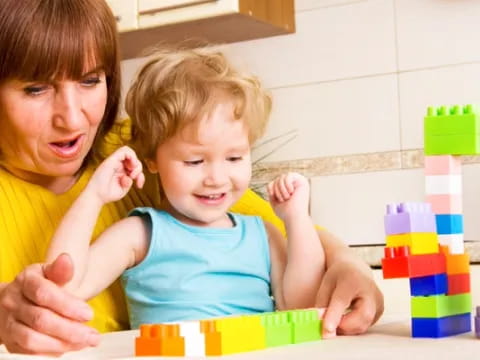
[454, 130]
[278, 330]
[440, 305]
[306, 326]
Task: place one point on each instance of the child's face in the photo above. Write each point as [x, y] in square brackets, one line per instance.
[205, 168]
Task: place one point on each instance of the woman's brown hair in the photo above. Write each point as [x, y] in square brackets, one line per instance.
[44, 40]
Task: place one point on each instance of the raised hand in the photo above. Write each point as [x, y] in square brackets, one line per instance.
[289, 195]
[115, 176]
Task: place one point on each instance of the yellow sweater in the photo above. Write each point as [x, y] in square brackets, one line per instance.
[29, 215]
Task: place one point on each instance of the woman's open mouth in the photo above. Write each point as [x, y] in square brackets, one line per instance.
[68, 148]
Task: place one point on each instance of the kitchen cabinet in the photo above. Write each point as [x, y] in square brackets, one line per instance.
[145, 23]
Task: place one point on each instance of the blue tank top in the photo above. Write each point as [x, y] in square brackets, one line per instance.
[192, 273]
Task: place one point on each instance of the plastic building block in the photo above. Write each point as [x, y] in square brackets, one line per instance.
[278, 329]
[429, 285]
[409, 218]
[306, 326]
[449, 224]
[443, 184]
[194, 339]
[441, 327]
[443, 165]
[452, 131]
[445, 203]
[397, 263]
[456, 263]
[477, 322]
[437, 306]
[419, 243]
[454, 242]
[213, 339]
[458, 284]
[149, 341]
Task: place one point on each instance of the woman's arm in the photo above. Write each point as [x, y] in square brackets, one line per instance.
[346, 276]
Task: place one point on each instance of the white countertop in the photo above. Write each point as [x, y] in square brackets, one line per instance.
[388, 340]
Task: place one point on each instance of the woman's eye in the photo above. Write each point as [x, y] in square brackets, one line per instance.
[193, 162]
[91, 80]
[35, 89]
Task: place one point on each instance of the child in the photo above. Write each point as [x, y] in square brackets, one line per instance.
[194, 119]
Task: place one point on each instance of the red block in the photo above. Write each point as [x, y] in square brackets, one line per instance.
[398, 263]
[458, 284]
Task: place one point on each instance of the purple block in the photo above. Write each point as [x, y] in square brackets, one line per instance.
[406, 218]
[477, 323]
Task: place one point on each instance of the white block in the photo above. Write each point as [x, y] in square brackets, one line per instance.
[443, 184]
[189, 328]
[453, 241]
[195, 345]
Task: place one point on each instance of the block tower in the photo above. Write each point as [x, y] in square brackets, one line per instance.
[439, 279]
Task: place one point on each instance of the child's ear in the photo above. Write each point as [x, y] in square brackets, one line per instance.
[151, 165]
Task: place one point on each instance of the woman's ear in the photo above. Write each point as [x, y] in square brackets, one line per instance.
[151, 165]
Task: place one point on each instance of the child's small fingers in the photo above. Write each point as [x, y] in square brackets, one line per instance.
[290, 183]
[126, 182]
[283, 188]
[140, 180]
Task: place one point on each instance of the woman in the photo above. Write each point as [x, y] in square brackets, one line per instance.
[59, 95]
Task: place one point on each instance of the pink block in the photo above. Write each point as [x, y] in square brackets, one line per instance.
[443, 165]
[445, 203]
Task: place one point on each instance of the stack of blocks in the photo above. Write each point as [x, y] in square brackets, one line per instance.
[229, 335]
[439, 278]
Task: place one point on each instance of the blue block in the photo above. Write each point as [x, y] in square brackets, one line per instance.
[429, 285]
[441, 327]
[449, 224]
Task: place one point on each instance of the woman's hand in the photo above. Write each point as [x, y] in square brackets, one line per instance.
[289, 195]
[116, 174]
[38, 317]
[352, 298]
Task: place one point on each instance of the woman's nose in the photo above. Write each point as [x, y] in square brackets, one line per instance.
[68, 109]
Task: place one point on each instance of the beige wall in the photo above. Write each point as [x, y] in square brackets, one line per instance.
[354, 82]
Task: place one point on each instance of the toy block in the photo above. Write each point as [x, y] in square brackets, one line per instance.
[254, 331]
[454, 242]
[409, 218]
[443, 184]
[443, 165]
[213, 339]
[437, 306]
[477, 322]
[398, 263]
[456, 263]
[172, 343]
[429, 285]
[419, 243]
[278, 329]
[446, 203]
[234, 331]
[449, 224]
[306, 326]
[451, 131]
[458, 284]
[441, 327]
[149, 341]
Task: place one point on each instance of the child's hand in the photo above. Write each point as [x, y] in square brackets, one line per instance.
[289, 195]
[116, 174]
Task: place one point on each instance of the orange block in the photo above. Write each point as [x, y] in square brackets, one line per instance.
[213, 339]
[456, 263]
[148, 344]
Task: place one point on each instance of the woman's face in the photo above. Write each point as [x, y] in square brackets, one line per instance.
[47, 129]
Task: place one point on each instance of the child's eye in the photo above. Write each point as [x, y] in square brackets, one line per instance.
[193, 162]
[234, 158]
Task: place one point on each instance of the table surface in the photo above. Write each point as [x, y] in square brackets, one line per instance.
[389, 339]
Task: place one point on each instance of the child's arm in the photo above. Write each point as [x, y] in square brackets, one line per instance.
[114, 250]
[297, 278]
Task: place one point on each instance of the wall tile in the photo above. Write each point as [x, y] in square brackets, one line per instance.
[353, 206]
[437, 32]
[341, 117]
[471, 201]
[419, 89]
[330, 43]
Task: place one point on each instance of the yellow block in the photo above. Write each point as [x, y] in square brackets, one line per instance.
[419, 243]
